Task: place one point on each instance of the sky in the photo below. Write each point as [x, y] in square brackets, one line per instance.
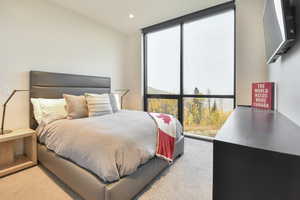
[208, 56]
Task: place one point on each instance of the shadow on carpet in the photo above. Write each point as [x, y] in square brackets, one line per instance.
[190, 177]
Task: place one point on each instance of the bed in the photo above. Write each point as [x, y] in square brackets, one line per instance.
[80, 180]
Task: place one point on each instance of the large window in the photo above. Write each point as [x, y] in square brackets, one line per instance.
[209, 55]
[190, 68]
[163, 56]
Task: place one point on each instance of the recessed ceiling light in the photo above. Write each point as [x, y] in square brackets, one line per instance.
[131, 16]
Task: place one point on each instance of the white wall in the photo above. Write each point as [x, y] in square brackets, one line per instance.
[250, 62]
[134, 72]
[285, 73]
[250, 49]
[38, 35]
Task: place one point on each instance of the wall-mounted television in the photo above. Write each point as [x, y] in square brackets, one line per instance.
[279, 28]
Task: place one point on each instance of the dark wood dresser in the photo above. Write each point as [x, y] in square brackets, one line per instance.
[257, 157]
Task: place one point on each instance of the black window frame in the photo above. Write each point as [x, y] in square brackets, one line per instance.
[181, 21]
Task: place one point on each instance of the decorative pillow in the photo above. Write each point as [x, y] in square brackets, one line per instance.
[98, 104]
[76, 106]
[44, 107]
[115, 102]
[36, 110]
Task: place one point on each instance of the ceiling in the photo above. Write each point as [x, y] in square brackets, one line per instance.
[115, 13]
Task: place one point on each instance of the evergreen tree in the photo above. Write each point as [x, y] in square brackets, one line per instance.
[214, 108]
[208, 93]
[197, 108]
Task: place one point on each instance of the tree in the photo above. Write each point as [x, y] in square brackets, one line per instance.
[214, 108]
[196, 91]
[197, 108]
[208, 93]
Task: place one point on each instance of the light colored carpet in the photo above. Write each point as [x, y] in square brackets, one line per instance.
[190, 177]
[34, 184]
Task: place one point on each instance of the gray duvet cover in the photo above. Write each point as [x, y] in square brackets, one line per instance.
[110, 146]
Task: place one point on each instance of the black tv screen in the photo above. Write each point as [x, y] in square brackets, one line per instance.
[278, 28]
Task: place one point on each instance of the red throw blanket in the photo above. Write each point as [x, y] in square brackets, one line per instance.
[166, 135]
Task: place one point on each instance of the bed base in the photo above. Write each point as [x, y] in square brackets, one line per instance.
[89, 187]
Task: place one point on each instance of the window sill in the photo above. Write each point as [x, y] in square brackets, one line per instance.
[199, 137]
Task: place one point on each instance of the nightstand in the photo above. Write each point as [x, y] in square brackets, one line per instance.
[10, 162]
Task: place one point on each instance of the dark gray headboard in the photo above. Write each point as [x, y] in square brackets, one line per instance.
[54, 85]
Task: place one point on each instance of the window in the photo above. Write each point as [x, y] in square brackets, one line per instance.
[163, 57]
[209, 55]
[205, 116]
[168, 106]
[189, 68]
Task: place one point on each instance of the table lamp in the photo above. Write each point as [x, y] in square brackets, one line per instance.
[122, 93]
[2, 131]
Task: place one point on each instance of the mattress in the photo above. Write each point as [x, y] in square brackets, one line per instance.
[123, 140]
[89, 187]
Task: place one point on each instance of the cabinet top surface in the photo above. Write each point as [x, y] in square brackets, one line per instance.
[16, 134]
[261, 129]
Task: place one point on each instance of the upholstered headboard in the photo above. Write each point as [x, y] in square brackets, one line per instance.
[54, 85]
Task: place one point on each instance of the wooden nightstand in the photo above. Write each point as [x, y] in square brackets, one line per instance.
[9, 161]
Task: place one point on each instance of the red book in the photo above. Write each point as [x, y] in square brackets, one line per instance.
[263, 95]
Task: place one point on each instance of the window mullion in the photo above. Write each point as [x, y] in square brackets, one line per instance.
[145, 71]
[180, 99]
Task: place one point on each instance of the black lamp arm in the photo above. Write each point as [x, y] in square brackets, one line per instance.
[124, 94]
[4, 107]
[3, 116]
[125, 91]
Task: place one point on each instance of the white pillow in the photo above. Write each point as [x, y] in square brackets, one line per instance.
[44, 107]
[115, 101]
[36, 110]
